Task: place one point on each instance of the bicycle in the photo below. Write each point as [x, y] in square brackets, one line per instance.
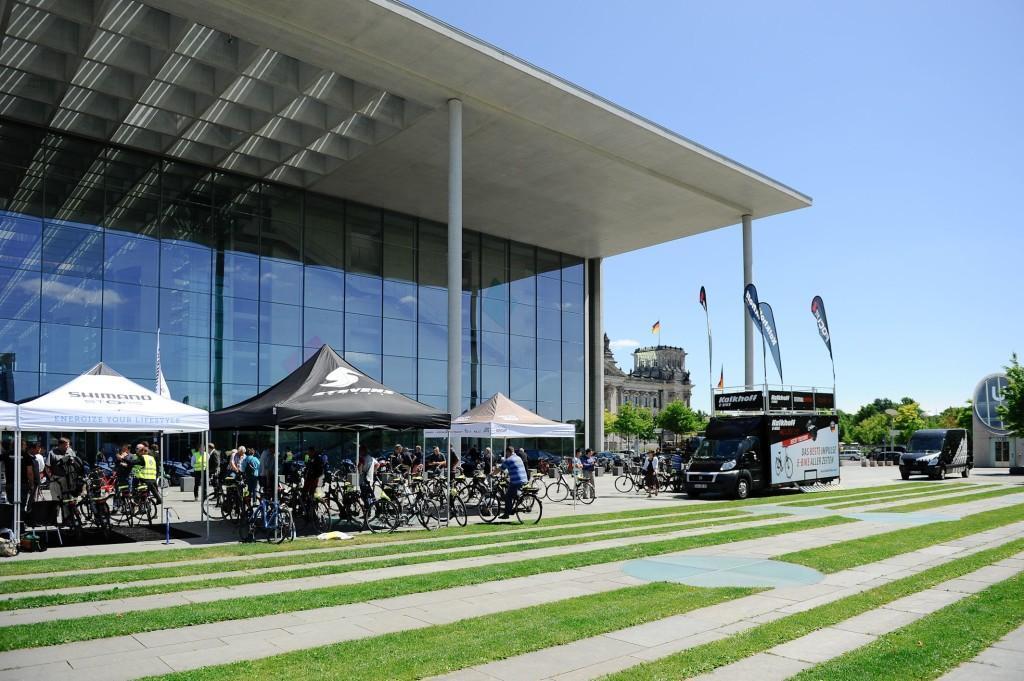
[527, 508]
[630, 480]
[271, 520]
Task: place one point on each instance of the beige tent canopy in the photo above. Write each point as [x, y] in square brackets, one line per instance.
[500, 417]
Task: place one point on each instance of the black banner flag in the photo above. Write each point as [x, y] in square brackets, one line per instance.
[818, 310]
[771, 334]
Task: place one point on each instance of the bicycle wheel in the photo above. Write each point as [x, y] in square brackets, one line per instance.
[529, 510]
[383, 516]
[287, 522]
[585, 493]
[212, 507]
[490, 507]
[430, 514]
[623, 484]
[272, 530]
[148, 510]
[458, 512]
[558, 491]
[101, 516]
[247, 526]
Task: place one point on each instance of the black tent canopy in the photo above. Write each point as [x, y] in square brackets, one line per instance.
[328, 393]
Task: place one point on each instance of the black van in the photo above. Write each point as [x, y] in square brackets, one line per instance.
[936, 452]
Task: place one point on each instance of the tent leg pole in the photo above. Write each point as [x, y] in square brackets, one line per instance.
[17, 487]
[160, 476]
[206, 479]
[448, 481]
[277, 448]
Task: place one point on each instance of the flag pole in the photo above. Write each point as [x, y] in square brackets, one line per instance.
[711, 369]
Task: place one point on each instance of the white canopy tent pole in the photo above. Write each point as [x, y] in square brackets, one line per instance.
[448, 480]
[206, 480]
[160, 474]
[17, 487]
[277, 448]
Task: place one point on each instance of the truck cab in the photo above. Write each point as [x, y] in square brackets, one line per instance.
[937, 452]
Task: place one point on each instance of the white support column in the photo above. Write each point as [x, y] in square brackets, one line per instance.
[454, 257]
[748, 324]
[595, 351]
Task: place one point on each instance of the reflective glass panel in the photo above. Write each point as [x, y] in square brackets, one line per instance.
[495, 380]
[19, 294]
[572, 270]
[495, 349]
[433, 254]
[22, 339]
[281, 240]
[572, 357]
[399, 338]
[26, 384]
[433, 377]
[523, 384]
[235, 362]
[362, 334]
[399, 300]
[572, 298]
[572, 327]
[399, 373]
[433, 340]
[134, 308]
[20, 240]
[184, 313]
[277, 361]
[132, 259]
[280, 281]
[549, 355]
[399, 263]
[549, 324]
[433, 307]
[72, 300]
[523, 352]
[323, 327]
[363, 295]
[74, 251]
[363, 239]
[184, 358]
[523, 320]
[68, 349]
[132, 354]
[549, 293]
[325, 288]
[572, 387]
[230, 394]
[280, 324]
[185, 267]
[194, 394]
[495, 315]
[325, 232]
[367, 363]
[236, 319]
[241, 275]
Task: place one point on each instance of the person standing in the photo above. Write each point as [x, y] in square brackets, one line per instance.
[367, 471]
[55, 462]
[213, 466]
[516, 479]
[589, 465]
[250, 468]
[199, 463]
[267, 457]
[649, 468]
[145, 470]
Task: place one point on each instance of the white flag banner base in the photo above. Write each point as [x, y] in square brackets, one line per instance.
[105, 401]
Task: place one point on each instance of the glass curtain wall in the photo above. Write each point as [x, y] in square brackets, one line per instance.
[101, 247]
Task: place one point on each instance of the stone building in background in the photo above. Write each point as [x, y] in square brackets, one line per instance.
[658, 376]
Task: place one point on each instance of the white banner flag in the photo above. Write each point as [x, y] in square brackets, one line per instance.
[161, 383]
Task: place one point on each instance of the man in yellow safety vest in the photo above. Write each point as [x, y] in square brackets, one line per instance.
[145, 471]
[199, 459]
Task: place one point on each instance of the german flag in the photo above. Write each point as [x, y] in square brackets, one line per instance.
[657, 327]
[721, 378]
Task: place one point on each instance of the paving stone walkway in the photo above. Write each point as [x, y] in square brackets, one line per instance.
[612, 652]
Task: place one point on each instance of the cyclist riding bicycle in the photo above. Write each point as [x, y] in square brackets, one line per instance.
[516, 479]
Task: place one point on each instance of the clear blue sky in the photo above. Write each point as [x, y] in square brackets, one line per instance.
[905, 123]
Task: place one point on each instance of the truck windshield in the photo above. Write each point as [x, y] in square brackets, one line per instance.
[926, 442]
[724, 450]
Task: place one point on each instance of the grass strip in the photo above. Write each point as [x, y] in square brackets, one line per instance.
[936, 493]
[708, 657]
[861, 492]
[174, 555]
[934, 644]
[966, 499]
[420, 653]
[105, 626]
[46, 600]
[848, 554]
[349, 552]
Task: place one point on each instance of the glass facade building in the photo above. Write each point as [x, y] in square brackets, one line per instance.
[101, 246]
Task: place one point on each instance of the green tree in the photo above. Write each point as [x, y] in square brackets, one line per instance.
[634, 422]
[609, 422]
[872, 430]
[677, 418]
[909, 417]
[1011, 411]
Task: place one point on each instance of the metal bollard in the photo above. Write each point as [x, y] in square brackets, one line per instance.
[168, 510]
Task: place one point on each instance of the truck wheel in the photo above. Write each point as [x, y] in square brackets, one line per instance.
[904, 473]
[742, 488]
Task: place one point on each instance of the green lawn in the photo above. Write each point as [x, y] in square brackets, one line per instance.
[397, 559]
[937, 492]
[706, 658]
[104, 626]
[965, 499]
[419, 653]
[175, 555]
[934, 644]
[134, 575]
[843, 555]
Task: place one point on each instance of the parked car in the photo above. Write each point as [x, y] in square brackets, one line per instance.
[609, 459]
[936, 452]
[850, 455]
[174, 471]
[535, 456]
[887, 455]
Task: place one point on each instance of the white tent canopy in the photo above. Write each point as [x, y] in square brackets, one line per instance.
[8, 416]
[103, 400]
[500, 417]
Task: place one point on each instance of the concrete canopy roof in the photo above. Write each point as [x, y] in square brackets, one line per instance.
[348, 97]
